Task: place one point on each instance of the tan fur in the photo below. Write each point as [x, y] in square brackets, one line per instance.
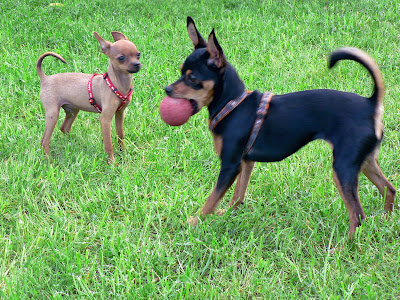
[353, 214]
[203, 96]
[373, 172]
[218, 142]
[238, 197]
[242, 182]
[69, 91]
[193, 34]
[216, 55]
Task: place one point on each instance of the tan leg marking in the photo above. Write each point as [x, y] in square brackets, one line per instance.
[373, 172]
[352, 204]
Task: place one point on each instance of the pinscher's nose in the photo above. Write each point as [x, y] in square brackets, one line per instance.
[168, 90]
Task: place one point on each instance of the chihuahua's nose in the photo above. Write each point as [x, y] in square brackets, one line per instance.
[168, 90]
[135, 67]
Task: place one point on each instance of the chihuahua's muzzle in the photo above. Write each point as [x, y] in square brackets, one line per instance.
[136, 66]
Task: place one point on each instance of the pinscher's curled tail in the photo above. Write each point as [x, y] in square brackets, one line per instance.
[369, 63]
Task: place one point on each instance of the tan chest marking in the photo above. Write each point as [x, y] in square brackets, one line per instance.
[217, 143]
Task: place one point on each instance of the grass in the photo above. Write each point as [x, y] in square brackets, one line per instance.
[79, 228]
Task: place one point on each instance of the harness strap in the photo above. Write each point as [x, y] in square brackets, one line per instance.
[125, 98]
[231, 105]
[262, 111]
[90, 91]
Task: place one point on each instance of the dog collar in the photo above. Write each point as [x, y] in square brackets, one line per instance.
[228, 108]
[125, 98]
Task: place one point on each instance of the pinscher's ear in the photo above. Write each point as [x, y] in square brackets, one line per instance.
[217, 56]
[195, 36]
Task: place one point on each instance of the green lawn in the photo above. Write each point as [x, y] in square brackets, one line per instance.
[79, 228]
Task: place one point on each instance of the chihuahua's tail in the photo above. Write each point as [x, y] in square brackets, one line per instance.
[369, 63]
[39, 63]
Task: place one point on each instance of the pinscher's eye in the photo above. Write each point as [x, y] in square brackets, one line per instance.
[193, 79]
[138, 55]
[121, 58]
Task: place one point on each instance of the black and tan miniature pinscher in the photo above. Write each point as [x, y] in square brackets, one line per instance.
[251, 127]
[108, 94]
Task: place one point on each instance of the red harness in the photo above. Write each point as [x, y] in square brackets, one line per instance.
[262, 111]
[125, 98]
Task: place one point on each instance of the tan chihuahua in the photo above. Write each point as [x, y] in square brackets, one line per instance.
[108, 94]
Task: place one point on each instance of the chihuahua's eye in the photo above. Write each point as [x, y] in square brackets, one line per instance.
[121, 58]
[138, 55]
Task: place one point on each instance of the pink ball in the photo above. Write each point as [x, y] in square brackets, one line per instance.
[175, 111]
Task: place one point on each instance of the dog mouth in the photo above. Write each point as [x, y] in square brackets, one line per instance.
[194, 106]
[169, 90]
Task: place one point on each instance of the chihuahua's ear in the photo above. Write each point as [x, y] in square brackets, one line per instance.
[195, 36]
[118, 36]
[105, 45]
[217, 56]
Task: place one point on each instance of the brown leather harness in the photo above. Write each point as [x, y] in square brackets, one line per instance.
[262, 111]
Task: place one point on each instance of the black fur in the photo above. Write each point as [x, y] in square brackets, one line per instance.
[349, 122]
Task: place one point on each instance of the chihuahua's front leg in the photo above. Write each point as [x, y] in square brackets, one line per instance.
[105, 121]
[119, 124]
[227, 176]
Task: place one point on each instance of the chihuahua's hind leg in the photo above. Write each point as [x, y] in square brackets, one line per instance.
[51, 115]
[70, 115]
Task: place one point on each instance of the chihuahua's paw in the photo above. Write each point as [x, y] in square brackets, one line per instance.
[221, 211]
[193, 221]
[111, 161]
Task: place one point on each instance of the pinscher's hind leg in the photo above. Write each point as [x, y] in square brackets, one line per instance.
[345, 175]
[371, 169]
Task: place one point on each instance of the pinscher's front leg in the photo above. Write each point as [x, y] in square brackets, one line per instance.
[227, 176]
[242, 183]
